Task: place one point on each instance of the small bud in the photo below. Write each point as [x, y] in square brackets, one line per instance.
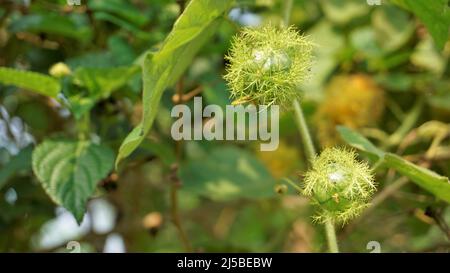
[109, 184]
[267, 64]
[281, 189]
[152, 222]
[339, 185]
[59, 70]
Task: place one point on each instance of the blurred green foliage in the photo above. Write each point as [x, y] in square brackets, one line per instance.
[224, 193]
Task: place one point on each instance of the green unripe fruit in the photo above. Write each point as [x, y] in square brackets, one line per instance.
[267, 64]
[339, 184]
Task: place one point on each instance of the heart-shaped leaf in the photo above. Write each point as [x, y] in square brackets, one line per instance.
[69, 171]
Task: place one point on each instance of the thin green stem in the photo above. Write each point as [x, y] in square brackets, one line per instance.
[290, 182]
[231, 22]
[308, 145]
[176, 218]
[310, 151]
[83, 126]
[287, 11]
[331, 236]
[377, 164]
[406, 126]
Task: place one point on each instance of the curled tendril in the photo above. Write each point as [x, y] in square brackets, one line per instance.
[267, 64]
[339, 185]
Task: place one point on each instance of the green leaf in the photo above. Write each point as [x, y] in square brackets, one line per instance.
[342, 12]
[396, 81]
[392, 26]
[428, 57]
[20, 162]
[227, 173]
[119, 53]
[69, 171]
[215, 90]
[121, 8]
[102, 81]
[434, 14]
[32, 81]
[67, 26]
[424, 178]
[364, 40]
[121, 23]
[161, 150]
[193, 28]
[359, 142]
[407, 124]
[249, 230]
[441, 100]
[331, 42]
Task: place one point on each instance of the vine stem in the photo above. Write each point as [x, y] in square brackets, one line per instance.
[331, 236]
[310, 154]
[176, 218]
[308, 145]
[83, 126]
[287, 11]
[290, 182]
[310, 151]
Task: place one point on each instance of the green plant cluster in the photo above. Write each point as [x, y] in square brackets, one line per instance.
[267, 64]
[86, 152]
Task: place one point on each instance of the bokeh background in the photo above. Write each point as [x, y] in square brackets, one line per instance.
[379, 69]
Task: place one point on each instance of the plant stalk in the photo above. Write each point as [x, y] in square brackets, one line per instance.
[331, 236]
[176, 218]
[308, 146]
[287, 11]
[310, 151]
[84, 126]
